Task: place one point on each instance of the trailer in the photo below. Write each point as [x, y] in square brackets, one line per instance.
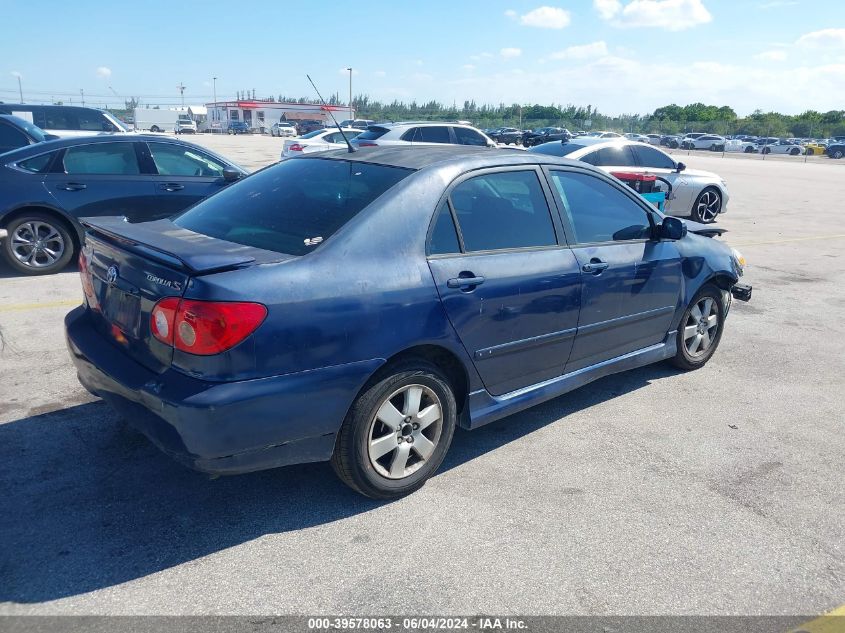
[156, 120]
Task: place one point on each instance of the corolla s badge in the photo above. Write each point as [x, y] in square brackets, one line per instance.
[167, 283]
[111, 275]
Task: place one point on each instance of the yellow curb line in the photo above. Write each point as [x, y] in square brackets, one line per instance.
[830, 622]
[66, 303]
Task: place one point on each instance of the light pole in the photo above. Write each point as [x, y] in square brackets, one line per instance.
[351, 116]
[82, 94]
[216, 116]
[20, 90]
[181, 88]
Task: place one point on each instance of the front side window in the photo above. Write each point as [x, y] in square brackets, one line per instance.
[503, 210]
[465, 136]
[175, 160]
[293, 206]
[93, 122]
[103, 159]
[654, 158]
[597, 211]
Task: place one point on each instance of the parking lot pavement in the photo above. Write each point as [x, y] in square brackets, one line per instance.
[652, 492]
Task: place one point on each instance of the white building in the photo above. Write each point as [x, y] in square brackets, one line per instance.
[263, 114]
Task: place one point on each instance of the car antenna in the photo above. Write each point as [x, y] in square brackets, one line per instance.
[340, 129]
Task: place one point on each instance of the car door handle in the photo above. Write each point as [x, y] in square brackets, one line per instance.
[464, 282]
[71, 186]
[172, 186]
[594, 266]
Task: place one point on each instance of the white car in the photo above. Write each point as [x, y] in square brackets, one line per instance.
[702, 195]
[736, 145]
[318, 141]
[422, 133]
[782, 147]
[184, 125]
[639, 138]
[653, 139]
[283, 129]
[704, 141]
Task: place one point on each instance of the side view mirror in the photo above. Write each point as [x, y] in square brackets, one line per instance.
[671, 228]
[680, 167]
[231, 175]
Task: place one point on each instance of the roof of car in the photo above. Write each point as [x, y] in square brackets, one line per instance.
[419, 157]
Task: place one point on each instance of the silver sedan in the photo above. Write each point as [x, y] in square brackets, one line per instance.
[702, 195]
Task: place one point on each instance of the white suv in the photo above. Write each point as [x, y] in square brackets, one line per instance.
[422, 133]
[185, 125]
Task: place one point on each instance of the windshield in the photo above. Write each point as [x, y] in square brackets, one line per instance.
[33, 130]
[118, 124]
[293, 206]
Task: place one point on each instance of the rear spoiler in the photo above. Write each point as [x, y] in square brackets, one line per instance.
[172, 245]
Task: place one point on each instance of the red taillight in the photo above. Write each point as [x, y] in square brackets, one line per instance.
[367, 144]
[87, 286]
[296, 147]
[204, 327]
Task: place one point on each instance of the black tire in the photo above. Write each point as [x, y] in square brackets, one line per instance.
[794, 151]
[766, 150]
[837, 154]
[351, 459]
[683, 359]
[155, 129]
[706, 214]
[231, 131]
[749, 150]
[40, 221]
[713, 148]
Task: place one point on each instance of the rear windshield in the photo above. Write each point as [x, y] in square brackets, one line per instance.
[313, 134]
[372, 133]
[293, 206]
[557, 149]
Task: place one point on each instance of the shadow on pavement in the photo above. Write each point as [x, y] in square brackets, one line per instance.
[86, 503]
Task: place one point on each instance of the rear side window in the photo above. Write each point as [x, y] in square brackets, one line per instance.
[598, 212]
[503, 210]
[58, 119]
[555, 148]
[372, 133]
[103, 159]
[654, 158]
[428, 134]
[293, 206]
[444, 238]
[620, 156]
[37, 164]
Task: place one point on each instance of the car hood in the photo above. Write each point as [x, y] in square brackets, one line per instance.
[700, 173]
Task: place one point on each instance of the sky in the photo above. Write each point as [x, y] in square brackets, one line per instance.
[620, 56]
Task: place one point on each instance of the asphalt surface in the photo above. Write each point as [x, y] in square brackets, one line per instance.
[652, 492]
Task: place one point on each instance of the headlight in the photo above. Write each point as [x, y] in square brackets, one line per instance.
[739, 261]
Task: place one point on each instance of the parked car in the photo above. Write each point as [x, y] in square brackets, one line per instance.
[283, 129]
[185, 125]
[361, 124]
[238, 127]
[700, 194]
[318, 141]
[814, 148]
[633, 136]
[16, 132]
[45, 188]
[66, 121]
[836, 150]
[736, 145]
[309, 125]
[704, 141]
[672, 141]
[653, 139]
[507, 136]
[782, 147]
[507, 279]
[544, 135]
[422, 133]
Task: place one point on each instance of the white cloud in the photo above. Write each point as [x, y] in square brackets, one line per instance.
[468, 67]
[672, 15]
[104, 72]
[584, 51]
[774, 4]
[771, 56]
[510, 53]
[546, 18]
[480, 56]
[510, 13]
[607, 9]
[15, 73]
[380, 73]
[826, 38]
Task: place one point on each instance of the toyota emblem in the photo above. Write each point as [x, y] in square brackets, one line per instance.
[111, 275]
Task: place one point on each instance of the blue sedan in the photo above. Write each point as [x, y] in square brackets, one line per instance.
[46, 187]
[357, 307]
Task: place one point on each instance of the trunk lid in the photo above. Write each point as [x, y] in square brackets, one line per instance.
[128, 268]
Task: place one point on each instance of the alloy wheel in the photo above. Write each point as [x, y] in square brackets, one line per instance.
[701, 327]
[37, 244]
[405, 431]
[709, 205]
